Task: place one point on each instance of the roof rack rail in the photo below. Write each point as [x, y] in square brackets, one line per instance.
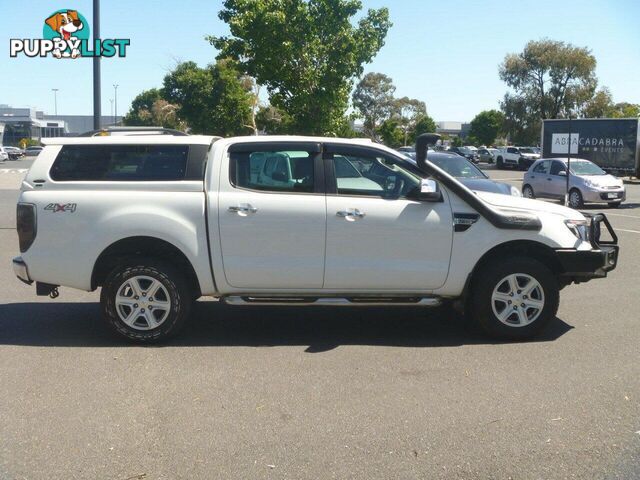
[102, 132]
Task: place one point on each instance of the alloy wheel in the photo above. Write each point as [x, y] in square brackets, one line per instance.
[142, 302]
[517, 300]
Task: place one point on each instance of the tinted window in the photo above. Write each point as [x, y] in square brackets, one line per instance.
[286, 171]
[512, 150]
[373, 175]
[542, 167]
[120, 163]
[556, 168]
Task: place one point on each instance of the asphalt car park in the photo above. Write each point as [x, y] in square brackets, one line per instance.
[255, 392]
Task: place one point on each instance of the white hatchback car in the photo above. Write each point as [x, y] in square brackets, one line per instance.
[587, 183]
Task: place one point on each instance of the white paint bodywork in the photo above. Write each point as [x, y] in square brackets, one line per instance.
[292, 243]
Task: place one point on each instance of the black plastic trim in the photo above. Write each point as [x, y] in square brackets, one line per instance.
[248, 147]
[587, 264]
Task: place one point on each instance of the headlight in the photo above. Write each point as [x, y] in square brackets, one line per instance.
[515, 192]
[591, 184]
[580, 228]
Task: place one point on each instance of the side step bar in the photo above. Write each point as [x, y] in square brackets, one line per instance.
[335, 301]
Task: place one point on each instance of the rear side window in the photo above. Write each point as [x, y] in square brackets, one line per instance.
[283, 171]
[121, 163]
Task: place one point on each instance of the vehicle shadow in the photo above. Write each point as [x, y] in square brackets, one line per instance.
[319, 329]
[605, 208]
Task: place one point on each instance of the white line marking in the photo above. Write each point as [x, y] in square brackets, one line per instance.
[510, 179]
[628, 231]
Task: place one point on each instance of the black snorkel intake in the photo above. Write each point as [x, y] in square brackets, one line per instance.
[499, 219]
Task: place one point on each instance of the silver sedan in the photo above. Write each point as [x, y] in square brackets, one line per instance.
[588, 183]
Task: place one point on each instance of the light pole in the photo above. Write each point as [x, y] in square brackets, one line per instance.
[115, 116]
[55, 100]
[97, 108]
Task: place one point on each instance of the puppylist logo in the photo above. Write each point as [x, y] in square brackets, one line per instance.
[65, 34]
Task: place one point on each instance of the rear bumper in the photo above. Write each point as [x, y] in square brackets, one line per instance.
[21, 270]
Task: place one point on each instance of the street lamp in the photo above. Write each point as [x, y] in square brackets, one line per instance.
[115, 116]
[55, 100]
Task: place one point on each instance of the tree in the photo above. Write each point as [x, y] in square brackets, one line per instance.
[424, 124]
[212, 100]
[373, 99]
[272, 121]
[391, 133]
[142, 104]
[550, 79]
[409, 111]
[305, 52]
[602, 106]
[486, 126]
[553, 77]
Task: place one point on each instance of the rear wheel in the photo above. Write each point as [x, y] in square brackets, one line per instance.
[575, 199]
[515, 298]
[527, 192]
[146, 300]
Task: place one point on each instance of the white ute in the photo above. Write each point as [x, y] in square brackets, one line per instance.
[160, 220]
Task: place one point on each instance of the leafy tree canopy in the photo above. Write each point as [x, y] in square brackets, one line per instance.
[305, 52]
[141, 104]
[374, 101]
[486, 126]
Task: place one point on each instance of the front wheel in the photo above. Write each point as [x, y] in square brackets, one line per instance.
[146, 300]
[515, 298]
[575, 199]
[499, 163]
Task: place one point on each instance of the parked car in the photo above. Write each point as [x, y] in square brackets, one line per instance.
[485, 155]
[32, 151]
[4, 155]
[516, 157]
[470, 175]
[466, 152]
[547, 178]
[14, 152]
[157, 221]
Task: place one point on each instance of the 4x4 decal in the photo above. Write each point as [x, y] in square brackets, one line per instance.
[60, 207]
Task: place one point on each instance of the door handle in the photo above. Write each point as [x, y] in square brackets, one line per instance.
[243, 209]
[351, 213]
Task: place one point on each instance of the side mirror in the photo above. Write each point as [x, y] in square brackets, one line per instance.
[427, 191]
[562, 173]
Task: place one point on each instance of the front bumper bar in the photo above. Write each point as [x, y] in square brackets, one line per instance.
[583, 265]
[21, 270]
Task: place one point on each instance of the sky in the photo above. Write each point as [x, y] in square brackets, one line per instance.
[445, 53]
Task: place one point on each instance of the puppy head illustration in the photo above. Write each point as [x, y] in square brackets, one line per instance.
[65, 23]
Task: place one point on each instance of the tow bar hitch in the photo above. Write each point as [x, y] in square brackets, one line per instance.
[44, 289]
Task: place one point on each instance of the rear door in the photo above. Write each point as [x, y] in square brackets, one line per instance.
[272, 216]
[377, 238]
[538, 178]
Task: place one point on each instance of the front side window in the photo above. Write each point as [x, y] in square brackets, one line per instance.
[120, 163]
[373, 175]
[556, 168]
[285, 171]
[512, 150]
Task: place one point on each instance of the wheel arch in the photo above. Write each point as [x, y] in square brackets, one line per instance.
[142, 246]
[526, 248]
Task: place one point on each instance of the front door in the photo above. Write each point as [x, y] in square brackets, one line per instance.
[272, 216]
[557, 183]
[377, 238]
